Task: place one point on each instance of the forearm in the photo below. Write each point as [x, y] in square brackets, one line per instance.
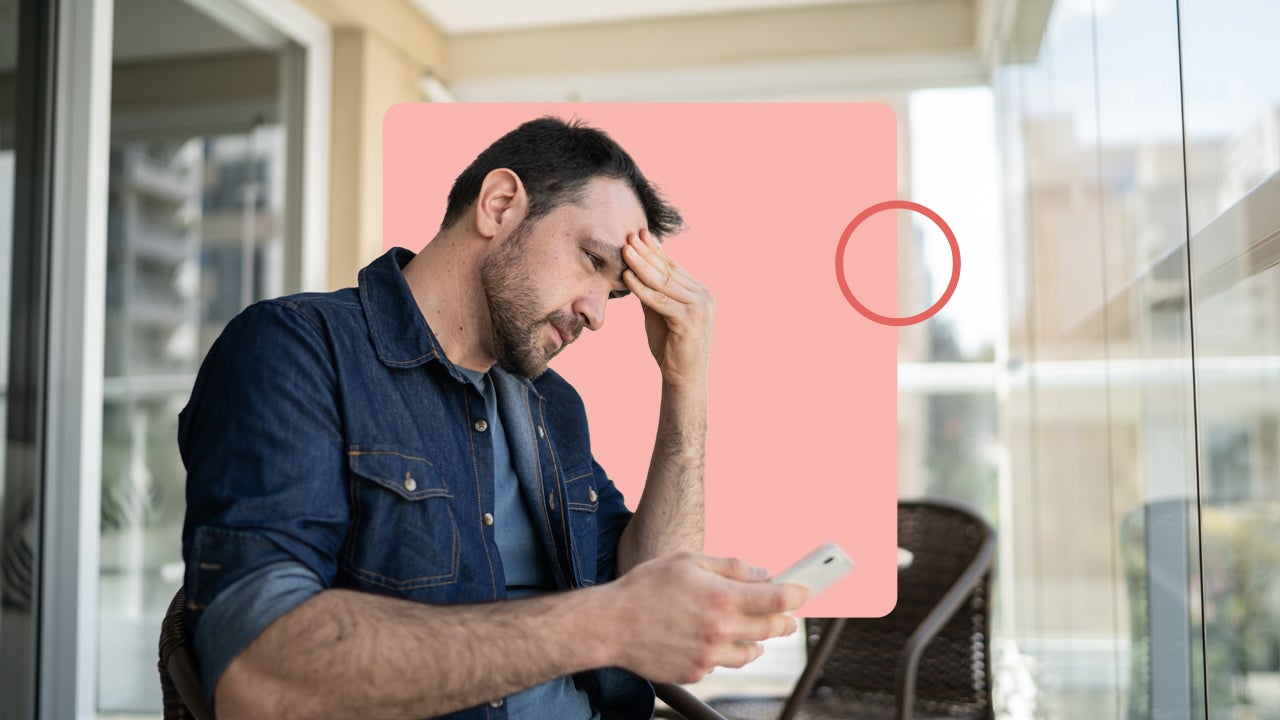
[349, 654]
[670, 516]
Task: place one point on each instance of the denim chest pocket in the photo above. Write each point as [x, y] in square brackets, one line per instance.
[583, 502]
[403, 535]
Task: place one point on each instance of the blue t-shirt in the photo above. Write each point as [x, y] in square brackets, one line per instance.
[527, 570]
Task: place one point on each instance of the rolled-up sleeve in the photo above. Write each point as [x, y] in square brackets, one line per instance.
[267, 509]
[244, 609]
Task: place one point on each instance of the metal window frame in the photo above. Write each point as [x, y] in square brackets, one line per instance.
[77, 285]
[308, 72]
[67, 666]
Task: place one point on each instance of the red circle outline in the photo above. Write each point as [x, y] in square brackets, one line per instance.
[932, 309]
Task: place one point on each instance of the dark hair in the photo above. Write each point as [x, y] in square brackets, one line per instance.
[555, 160]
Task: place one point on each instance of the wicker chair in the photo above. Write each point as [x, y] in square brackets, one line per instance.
[184, 697]
[929, 657]
[179, 671]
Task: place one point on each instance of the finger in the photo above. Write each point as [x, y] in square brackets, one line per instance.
[650, 239]
[653, 299]
[785, 625]
[737, 655]
[734, 568]
[651, 245]
[773, 598]
[753, 628]
[653, 253]
[655, 272]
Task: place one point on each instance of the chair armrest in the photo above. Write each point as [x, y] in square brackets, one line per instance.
[186, 680]
[832, 627]
[179, 671]
[685, 702]
[935, 620]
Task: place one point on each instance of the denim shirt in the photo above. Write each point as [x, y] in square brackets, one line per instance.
[328, 436]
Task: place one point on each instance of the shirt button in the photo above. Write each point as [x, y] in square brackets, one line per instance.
[488, 519]
[496, 703]
[409, 483]
[541, 433]
[591, 495]
[481, 426]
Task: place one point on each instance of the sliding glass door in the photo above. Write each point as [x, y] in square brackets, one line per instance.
[213, 118]
[1232, 113]
[162, 164]
[197, 228]
[25, 77]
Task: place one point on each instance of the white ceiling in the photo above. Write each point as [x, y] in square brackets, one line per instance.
[460, 18]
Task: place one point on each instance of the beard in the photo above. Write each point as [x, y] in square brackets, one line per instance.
[516, 322]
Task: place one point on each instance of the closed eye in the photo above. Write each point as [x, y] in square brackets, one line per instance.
[598, 263]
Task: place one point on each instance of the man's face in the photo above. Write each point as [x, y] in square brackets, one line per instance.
[551, 277]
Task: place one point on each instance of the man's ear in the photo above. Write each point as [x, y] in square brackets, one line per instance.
[502, 202]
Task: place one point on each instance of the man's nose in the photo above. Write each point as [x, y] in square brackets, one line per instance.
[590, 309]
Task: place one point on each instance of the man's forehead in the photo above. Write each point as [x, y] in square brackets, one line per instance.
[609, 235]
[609, 214]
[615, 194]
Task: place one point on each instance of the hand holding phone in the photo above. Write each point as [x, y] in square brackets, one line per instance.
[817, 570]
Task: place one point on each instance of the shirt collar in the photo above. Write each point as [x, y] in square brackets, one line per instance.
[401, 336]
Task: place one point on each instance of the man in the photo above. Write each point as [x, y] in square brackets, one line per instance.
[388, 492]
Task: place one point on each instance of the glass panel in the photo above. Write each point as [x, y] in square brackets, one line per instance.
[1072, 636]
[196, 228]
[1017, 585]
[16, 525]
[8, 73]
[1151, 423]
[956, 456]
[1232, 97]
[24, 83]
[1232, 107]
[948, 442]
[1238, 393]
[952, 170]
[946, 409]
[1098, 415]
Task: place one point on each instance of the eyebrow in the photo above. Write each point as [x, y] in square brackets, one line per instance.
[607, 252]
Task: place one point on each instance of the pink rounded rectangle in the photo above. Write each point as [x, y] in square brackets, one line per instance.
[802, 448]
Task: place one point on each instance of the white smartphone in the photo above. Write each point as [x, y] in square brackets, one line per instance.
[817, 570]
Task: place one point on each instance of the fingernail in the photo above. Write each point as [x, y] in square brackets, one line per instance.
[759, 573]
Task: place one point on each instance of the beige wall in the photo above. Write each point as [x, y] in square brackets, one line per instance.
[369, 76]
[875, 29]
[381, 51]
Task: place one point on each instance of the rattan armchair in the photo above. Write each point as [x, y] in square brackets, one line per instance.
[184, 697]
[179, 672]
[929, 657]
